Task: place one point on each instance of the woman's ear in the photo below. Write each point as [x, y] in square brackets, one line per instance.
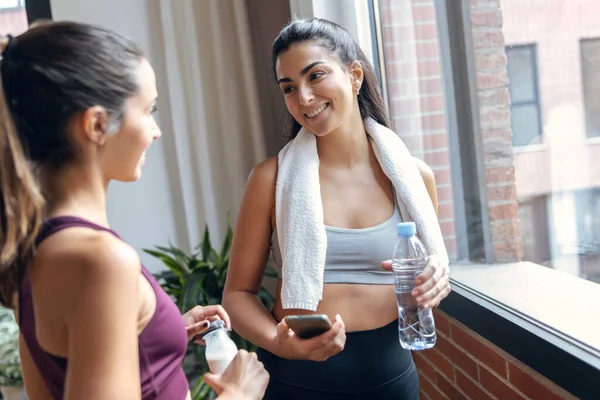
[357, 75]
[95, 121]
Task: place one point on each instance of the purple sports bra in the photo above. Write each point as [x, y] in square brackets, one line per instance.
[162, 343]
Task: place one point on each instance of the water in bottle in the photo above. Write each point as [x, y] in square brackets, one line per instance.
[416, 327]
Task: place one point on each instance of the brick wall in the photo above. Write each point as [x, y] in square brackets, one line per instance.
[496, 135]
[464, 365]
[13, 21]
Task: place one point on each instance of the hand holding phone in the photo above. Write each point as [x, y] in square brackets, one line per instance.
[322, 339]
[308, 326]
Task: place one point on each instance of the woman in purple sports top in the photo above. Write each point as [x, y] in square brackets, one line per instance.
[76, 111]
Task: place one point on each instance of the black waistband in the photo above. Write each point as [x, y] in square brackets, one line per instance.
[369, 359]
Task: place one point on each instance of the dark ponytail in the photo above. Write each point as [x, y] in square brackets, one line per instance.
[21, 204]
[335, 38]
[49, 74]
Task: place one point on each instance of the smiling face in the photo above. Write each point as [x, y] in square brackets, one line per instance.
[319, 91]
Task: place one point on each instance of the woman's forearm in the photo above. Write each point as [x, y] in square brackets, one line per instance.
[251, 319]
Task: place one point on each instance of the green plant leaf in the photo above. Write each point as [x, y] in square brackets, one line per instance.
[206, 246]
[226, 244]
[177, 253]
[170, 262]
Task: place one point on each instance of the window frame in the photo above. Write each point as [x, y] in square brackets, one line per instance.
[19, 6]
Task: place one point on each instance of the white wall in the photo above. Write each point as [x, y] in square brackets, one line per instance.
[143, 213]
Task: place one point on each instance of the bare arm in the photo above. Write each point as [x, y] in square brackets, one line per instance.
[102, 322]
[429, 180]
[249, 253]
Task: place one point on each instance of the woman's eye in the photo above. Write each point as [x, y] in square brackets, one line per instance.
[316, 75]
[288, 89]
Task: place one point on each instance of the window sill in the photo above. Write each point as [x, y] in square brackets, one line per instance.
[547, 319]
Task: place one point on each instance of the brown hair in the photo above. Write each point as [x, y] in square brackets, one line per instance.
[335, 38]
[48, 74]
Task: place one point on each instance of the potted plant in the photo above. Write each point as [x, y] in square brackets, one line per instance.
[199, 279]
[11, 379]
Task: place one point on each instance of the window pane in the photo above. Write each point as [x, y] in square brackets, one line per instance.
[521, 73]
[525, 124]
[590, 70]
[416, 95]
[565, 170]
[13, 18]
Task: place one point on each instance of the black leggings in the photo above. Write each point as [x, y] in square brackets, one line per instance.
[372, 366]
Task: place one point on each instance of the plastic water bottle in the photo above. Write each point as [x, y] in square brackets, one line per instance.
[220, 349]
[416, 327]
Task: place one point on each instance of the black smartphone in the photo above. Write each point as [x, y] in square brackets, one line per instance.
[308, 326]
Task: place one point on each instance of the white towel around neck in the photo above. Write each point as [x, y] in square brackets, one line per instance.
[299, 210]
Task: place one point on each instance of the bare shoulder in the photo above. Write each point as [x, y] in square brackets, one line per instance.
[76, 259]
[264, 173]
[426, 172]
[260, 188]
[429, 180]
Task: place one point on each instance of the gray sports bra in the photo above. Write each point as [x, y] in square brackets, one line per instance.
[354, 255]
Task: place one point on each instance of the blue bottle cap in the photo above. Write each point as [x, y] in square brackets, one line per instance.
[406, 229]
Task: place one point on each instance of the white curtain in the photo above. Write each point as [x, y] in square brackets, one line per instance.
[210, 117]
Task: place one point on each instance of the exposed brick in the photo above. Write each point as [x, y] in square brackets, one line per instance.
[443, 176]
[448, 227]
[428, 50]
[429, 68]
[433, 122]
[458, 356]
[445, 211]
[495, 117]
[471, 388]
[504, 192]
[508, 252]
[494, 97]
[444, 192]
[442, 323]
[489, 79]
[505, 231]
[490, 60]
[479, 349]
[498, 387]
[500, 174]
[498, 152]
[504, 211]
[439, 362]
[437, 159]
[498, 134]
[404, 107]
[432, 103]
[426, 31]
[406, 70]
[487, 38]
[397, 89]
[529, 385]
[430, 86]
[423, 366]
[431, 389]
[449, 389]
[423, 13]
[487, 18]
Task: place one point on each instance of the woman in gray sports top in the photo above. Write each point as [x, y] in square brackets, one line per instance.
[329, 88]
